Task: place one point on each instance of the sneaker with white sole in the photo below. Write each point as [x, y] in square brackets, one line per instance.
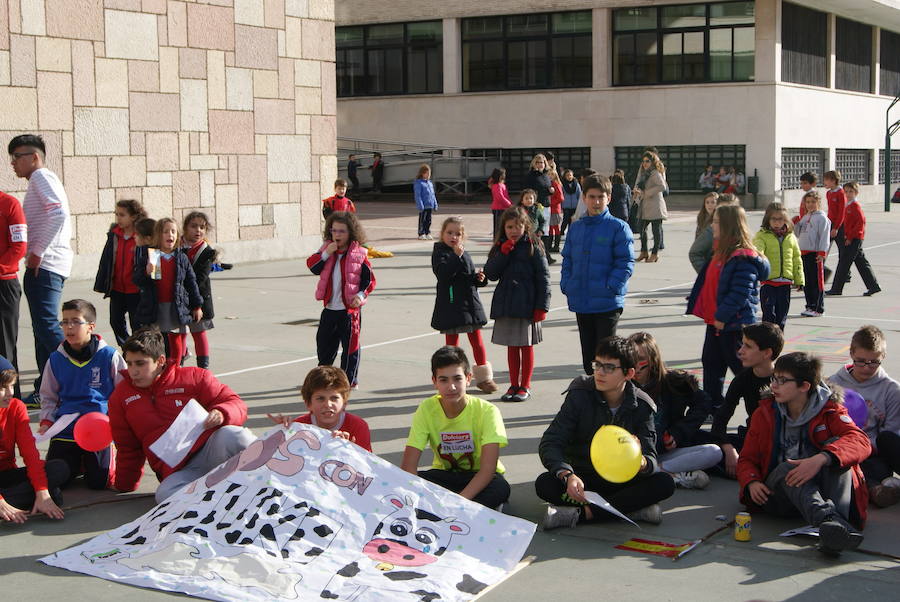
[561, 516]
[692, 479]
[651, 514]
[810, 313]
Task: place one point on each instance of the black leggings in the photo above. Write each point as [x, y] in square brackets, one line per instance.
[495, 493]
[884, 462]
[16, 488]
[639, 492]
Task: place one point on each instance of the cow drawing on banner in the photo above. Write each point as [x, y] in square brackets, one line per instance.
[397, 555]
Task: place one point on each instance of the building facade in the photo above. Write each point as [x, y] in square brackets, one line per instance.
[771, 87]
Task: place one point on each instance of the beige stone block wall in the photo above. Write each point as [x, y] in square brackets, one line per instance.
[224, 105]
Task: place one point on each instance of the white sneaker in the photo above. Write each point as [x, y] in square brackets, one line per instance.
[651, 514]
[429, 237]
[560, 516]
[808, 313]
[692, 479]
[422, 237]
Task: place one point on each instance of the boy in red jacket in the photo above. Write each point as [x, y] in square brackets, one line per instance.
[802, 455]
[13, 241]
[147, 402]
[850, 252]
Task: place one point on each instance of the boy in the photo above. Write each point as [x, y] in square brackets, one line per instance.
[850, 251]
[352, 166]
[37, 485]
[608, 397]
[147, 402]
[866, 376]
[761, 343]
[339, 201]
[837, 202]
[464, 432]
[377, 169]
[326, 391]
[78, 379]
[13, 241]
[808, 181]
[597, 263]
[802, 455]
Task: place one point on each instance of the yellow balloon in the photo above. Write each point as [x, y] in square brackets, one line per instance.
[615, 454]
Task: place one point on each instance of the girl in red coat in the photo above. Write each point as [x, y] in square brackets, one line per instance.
[802, 454]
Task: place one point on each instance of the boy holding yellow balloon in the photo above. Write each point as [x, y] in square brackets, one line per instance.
[617, 468]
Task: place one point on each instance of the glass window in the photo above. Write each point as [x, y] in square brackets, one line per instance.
[482, 27]
[890, 63]
[431, 31]
[646, 50]
[380, 35]
[854, 164]
[720, 53]
[853, 56]
[743, 51]
[684, 164]
[579, 22]
[804, 50]
[797, 161]
[731, 13]
[630, 19]
[483, 66]
[571, 61]
[348, 36]
[690, 15]
[526, 25]
[895, 165]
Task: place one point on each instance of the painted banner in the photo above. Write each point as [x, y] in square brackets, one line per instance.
[300, 515]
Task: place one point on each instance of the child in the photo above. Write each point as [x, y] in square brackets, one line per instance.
[607, 397]
[353, 166]
[339, 201]
[761, 343]
[808, 182]
[705, 215]
[837, 204]
[457, 306]
[535, 211]
[726, 296]
[143, 239]
[464, 432]
[78, 379]
[116, 267]
[147, 402]
[426, 202]
[597, 264]
[556, 201]
[866, 375]
[777, 242]
[170, 298]
[521, 299]
[377, 169]
[701, 249]
[345, 283]
[707, 180]
[620, 203]
[37, 486]
[850, 250]
[813, 238]
[326, 392]
[202, 256]
[802, 456]
[571, 197]
[500, 200]
[681, 408]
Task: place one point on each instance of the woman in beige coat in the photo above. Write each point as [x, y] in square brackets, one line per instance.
[650, 188]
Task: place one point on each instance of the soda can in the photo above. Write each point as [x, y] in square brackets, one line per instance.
[742, 526]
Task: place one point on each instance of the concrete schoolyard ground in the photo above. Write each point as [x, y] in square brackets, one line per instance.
[264, 343]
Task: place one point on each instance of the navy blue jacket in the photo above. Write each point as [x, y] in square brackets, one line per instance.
[620, 202]
[202, 266]
[186, 294]
[681, 408]
[737, 297]
[524, 280]
[597, 263]
[457, 302]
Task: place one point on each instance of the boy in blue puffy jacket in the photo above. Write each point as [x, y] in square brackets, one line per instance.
[597, 263]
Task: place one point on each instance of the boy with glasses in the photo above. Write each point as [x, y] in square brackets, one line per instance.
[865, 375]
[606, 397]
[78, 379]
[802, 455]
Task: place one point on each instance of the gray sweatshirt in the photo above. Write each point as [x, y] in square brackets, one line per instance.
[882, 395]
[814, 232]
[795, 443]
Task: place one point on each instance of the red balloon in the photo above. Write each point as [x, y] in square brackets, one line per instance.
[92, 432]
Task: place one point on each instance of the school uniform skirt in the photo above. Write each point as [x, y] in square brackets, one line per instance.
[516, 332]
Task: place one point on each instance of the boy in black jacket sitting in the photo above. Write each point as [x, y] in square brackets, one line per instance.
[607, 397]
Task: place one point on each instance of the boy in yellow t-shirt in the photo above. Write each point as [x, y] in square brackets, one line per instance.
[464, 432]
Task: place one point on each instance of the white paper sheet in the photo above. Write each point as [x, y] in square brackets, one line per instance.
[61, 423]
[807, 530]
[597, 499]
[173, 445]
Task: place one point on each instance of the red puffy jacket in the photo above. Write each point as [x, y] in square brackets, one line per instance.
[138, 417]
[831, 430]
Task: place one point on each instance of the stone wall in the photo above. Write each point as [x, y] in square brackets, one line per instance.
[223, 105]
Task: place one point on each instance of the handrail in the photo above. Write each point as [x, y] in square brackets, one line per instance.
[398, 143]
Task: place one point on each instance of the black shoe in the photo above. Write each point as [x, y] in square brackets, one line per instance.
[871, 292]
[836, 535]
[521, 394]
[510, 392]
[550, 260]
[831, 293]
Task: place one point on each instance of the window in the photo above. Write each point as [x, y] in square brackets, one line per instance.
[890, 63]
[389, 58]
[797, 161]
[895, 166]
[853, 56]
[854, 164]
[531, 51]
[689, 43]
[804, 45]
[684, 164]
[517, 161]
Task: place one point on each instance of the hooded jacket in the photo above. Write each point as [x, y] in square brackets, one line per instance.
[681, 407]
[882, 395]
[737, 296]
[457, 302]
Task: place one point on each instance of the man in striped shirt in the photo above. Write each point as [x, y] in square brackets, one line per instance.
[48, 259]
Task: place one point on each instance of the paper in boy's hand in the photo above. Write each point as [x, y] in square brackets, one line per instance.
[153, 259]
[598, 500]
[173, 445]
[61, 423]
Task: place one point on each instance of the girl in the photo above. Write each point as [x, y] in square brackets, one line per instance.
[556, 201]
[201, 256]
[116, 267]
[521, 299]
[650, 189]
[705, 215]
[777, 242]
[500, 200]
[169, 294]
[813, 238]
[620, 201]
[571, 196]
[457, 307]
[726, 296]
[426, 202]
[345, 283]
[702, 248]
[681, 408]
[535, 212]
[538, 181]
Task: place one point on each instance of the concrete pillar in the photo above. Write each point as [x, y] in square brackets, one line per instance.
[767, 53]
[601, 41]
[452, 51]
[832, 37]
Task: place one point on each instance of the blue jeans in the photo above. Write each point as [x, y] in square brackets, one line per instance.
[44, 294]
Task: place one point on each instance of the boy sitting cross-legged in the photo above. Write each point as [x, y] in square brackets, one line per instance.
[802, 454]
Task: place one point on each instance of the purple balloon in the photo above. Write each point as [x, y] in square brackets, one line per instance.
[856, 407]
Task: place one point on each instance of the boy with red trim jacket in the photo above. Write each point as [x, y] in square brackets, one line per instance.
[802, 454]
[850, 251]
[147, 402]
[13, 243]
[339, 201]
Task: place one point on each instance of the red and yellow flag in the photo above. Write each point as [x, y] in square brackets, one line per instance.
[659, 548]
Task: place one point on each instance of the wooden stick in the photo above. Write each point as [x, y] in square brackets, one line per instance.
[697, 542]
